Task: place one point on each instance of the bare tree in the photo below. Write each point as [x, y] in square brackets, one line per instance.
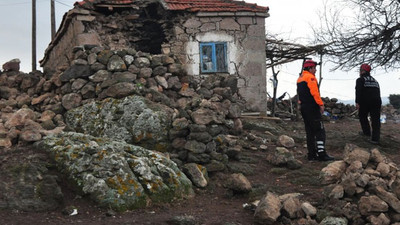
[362, 31]
[279, 52]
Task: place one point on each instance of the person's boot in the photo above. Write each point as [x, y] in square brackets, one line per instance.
[374, 142]
[312, 157]
[361, 133]
[322, 156]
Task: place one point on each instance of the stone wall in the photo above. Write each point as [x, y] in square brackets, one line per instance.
[150, 28]
[59, 54]
[245, 38]
[204, 113]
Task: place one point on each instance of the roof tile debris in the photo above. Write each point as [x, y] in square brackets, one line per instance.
[214, 6]
[194, 5]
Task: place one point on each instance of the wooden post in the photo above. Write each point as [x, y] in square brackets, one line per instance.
[275, 84]
[320, 71]
[33, 35]
[53, 19]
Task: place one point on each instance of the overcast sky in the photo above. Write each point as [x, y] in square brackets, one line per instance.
[286, 19]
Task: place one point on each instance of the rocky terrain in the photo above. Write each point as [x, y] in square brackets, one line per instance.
[126, 137]
[221, 203]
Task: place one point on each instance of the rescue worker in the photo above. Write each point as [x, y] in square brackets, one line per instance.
[368, 102]
[312, 107]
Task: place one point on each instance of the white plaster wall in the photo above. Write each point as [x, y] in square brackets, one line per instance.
[193, 50]
[245, 54]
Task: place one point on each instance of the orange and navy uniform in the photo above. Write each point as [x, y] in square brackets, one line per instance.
[307, 89]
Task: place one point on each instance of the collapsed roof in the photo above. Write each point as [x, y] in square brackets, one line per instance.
[186, 5]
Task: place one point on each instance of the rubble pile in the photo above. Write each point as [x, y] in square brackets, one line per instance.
[390, 113]
[20, 94]
[334, 110]
[205, 110]
[364, 187]
[287, 108]
[337, 110]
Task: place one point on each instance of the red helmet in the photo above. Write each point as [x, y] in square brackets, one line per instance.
[309, 63]
[366, 67]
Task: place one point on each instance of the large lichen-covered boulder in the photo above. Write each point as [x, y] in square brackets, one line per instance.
[133, 119]
[115, 174]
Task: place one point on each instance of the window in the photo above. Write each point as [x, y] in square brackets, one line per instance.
[213, 57]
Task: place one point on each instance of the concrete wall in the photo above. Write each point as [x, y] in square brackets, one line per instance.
[245, 38]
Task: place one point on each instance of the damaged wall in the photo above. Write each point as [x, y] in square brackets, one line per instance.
[150, 28]
[245, 38]
[143, 28]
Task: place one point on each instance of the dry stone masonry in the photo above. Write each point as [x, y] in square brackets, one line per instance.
[148, 26]
[128, 96]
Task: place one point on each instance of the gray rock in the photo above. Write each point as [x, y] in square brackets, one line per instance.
[180, 124]
[195, 146]
[355, 153]
[205, 116]
[104, 56]
[78, 84]
[145, 72]
[116, 63]
[286, 141]
[160, 71]
[128, 59]
[92, 58]
[239, 183]
[29, 80]
[142, 62]
[333, 172]
[383, 169]
[114, 174]
[215, 165]
[337, 192]
[133, 119]
[334, 221]
[124, 76]
[292, 208]
[197, 174]
[308, 209]
[389, 198]
[88, 91]
[371, 204]
[75, 71]
[161, 81]
[174, 83]
[269, 209]
[203, 137]
[100, 76]
[97, 66]
[235, 111]
[280, 157]
[30, 135]
[122, 89]
[72, 100]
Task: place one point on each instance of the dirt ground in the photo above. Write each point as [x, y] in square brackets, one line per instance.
[215, 204]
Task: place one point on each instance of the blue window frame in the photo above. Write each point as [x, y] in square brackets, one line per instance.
[213, 57]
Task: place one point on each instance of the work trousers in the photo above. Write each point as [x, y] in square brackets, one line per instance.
[374, 111]
[315, 130]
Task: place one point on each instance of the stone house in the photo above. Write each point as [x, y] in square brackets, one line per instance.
[207, 37]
